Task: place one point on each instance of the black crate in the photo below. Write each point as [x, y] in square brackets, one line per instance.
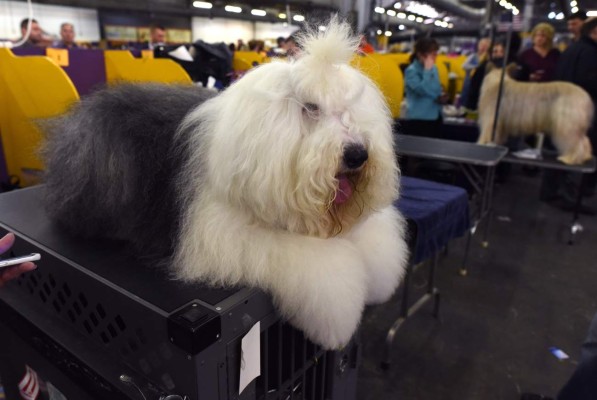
[94, 317]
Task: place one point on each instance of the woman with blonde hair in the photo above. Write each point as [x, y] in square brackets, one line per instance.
[539, 62]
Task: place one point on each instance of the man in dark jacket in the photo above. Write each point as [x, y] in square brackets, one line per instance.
[578, 64]
[35, 38]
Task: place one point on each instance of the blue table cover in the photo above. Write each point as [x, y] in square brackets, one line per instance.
[440, 213]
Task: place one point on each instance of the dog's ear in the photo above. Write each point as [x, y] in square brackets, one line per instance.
[513, 70]
[490, 67]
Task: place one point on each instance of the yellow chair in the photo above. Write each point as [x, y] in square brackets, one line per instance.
[455, 65]
[31, 88]
[245, 60]
[386, 73]
[122, 66]
[401, 59]
[442, 72]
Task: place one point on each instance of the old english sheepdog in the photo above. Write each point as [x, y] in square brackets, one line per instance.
[285, 181]
[560, 109]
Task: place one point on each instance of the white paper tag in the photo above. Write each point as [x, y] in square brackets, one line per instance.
[250, 357]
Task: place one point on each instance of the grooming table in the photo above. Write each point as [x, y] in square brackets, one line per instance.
[436, 213]
[549, 160]
[468, 156]
[451, 128]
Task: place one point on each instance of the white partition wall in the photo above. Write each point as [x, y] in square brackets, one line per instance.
[215, 30]
[49, 17]
[265, 30]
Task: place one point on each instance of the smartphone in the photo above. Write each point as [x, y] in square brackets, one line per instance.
[7, 262]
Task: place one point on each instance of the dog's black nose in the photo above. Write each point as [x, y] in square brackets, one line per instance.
[355, 155]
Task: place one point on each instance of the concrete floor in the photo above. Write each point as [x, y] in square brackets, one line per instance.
[528, 291]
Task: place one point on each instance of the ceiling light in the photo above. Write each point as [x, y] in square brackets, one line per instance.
[515, 11]
[573, 3]
[388, 33]
[233, 9]
[259, 13]
[422, 9]
[391, 13]
[202, 4]
[450, 25]
[411, 17]
[298, 18]
[397, 5]
[437, 23]
[574, 9]
[419, 19]
[551, 15]
[282, 16]
[379, 32]
[380, 10]
[560, 16]
[401, 27]
[322, 28]
[592, 13]
[401, 15]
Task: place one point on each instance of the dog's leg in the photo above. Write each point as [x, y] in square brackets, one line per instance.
[568, 143]
[319, 285]
[380, 239]
[485, 128]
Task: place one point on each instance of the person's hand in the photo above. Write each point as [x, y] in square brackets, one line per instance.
[428, 61]
[13, 272]
[443, 99]
[536, 76]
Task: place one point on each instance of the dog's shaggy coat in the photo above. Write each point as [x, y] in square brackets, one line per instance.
[561, 109]
[256, 186]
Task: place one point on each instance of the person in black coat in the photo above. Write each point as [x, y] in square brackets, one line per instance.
[578, 65]
[498, 50]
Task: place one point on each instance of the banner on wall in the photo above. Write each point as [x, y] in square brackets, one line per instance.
[124, 33]
[142, 34]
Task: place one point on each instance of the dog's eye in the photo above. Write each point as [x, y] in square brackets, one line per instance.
[311, 109]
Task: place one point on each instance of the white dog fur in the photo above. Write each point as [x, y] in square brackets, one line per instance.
[561, 109]
[265, 197]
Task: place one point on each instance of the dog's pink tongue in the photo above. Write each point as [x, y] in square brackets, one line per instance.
[344, 190]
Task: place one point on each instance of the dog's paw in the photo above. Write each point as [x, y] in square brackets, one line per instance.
[566, 159]
[381, 241]
[323, 295]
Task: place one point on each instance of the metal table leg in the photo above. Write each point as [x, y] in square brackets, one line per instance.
[406, 311]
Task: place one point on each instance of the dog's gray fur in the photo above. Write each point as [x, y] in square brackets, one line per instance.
[137, 143]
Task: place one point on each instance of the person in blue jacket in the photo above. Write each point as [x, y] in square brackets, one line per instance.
[423, 91]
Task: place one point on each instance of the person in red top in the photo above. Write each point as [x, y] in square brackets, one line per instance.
[365, 46]
[539, 62]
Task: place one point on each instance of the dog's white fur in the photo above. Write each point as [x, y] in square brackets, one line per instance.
[264, 213]
[561, 109]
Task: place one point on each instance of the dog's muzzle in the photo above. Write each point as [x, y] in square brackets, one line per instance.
[354, 156]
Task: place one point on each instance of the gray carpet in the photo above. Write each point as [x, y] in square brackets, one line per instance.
[528, 291]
